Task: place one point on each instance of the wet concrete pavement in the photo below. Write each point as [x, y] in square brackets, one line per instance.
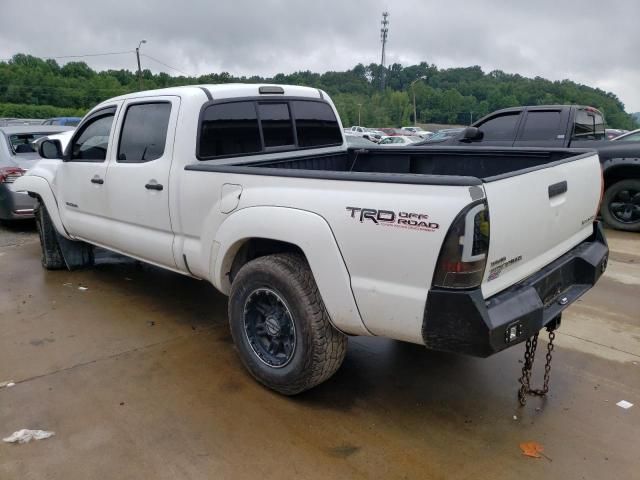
[138, 377]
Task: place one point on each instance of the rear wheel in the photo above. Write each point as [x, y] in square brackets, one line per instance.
[51, 253]
[280, 325]
[621, 205]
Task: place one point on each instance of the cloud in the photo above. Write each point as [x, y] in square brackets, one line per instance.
[587, 41]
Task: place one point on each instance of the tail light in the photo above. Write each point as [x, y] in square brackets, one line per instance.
[463, 255]
[10, 174]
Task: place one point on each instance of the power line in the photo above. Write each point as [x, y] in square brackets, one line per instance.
[92, 54]
[162, 63]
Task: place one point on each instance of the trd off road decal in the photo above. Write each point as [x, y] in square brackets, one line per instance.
[389, 218]
[498, 266]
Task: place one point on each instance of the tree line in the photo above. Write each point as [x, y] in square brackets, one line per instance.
[31, 87]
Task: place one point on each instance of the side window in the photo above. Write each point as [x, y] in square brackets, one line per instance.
[91, 144]
[502, 127]
[277, 129]
[542, 125]
[144, 132]
[631, 138]
[316, 124]
[589, 125]
[229, 129]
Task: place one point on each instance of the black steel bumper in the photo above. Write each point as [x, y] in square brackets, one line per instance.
[463, 322]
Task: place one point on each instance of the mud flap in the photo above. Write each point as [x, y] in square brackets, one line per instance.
[75, 254]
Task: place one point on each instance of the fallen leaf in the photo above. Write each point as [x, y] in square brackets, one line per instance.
[531, 449]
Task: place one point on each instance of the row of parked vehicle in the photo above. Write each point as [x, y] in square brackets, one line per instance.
[57, 121]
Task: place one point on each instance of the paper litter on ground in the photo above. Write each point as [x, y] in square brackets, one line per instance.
[624, 404]
[25, 436]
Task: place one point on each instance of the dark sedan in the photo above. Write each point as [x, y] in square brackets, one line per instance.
[17, 155]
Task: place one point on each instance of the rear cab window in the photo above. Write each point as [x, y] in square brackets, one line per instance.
[588, 125]
[248, 127]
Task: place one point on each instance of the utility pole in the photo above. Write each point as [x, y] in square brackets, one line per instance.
[413, 90]
[139, 68]
[359, 108]
[384, 32]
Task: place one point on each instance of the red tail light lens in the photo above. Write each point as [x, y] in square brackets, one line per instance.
[463, 256]
[10, 174]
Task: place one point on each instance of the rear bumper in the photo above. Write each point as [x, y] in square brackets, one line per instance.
[15, 205]
[464, 322]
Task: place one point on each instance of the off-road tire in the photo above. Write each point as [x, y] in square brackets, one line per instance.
[51, 254]
[319, 347]
[609, 195]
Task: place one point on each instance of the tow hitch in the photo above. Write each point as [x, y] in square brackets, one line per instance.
[529, 357]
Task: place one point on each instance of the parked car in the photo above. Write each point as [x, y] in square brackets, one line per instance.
[10, 121]
[17, 155]
[359, 142]
[632, 136]
[442, 135]
[463, 250]
[612, 133]
[562, 126]
[418, 131]
[399, 140]
[365, 132]
[63, 121]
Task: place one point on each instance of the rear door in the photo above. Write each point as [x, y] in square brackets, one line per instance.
[538, 216]
[137, 179]
[543, 128]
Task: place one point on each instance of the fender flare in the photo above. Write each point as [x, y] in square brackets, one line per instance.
[308, 231]
[39, 186]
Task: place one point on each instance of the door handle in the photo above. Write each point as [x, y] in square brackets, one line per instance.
[558, 189]
[154, 186]
[97, 180]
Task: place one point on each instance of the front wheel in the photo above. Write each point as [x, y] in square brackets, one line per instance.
[280, 325]
[621, 205]
[52, 258]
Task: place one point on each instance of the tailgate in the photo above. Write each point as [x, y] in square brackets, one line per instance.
[538, 216]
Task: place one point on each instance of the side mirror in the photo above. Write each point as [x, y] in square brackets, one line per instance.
[471, 134]
[51, 149]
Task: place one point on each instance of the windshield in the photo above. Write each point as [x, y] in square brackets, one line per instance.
[21, 143]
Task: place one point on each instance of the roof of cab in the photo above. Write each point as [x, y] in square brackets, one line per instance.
[223, 91]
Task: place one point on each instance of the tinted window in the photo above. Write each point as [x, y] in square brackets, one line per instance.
[229, 129]
[315, 124]
[542, 126]
[92, 143]
[144, 132]
[589, 125]
[500, 128]
[277, 129]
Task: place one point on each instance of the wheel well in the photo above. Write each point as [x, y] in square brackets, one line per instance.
[620, 172]
[259, 247]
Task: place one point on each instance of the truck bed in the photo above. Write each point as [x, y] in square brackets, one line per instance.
[429, 165]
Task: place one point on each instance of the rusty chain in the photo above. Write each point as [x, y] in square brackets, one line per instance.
[529, 357]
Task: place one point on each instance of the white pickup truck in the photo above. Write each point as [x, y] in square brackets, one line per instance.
[253, 188]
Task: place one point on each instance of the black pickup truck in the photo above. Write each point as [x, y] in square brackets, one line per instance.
[566, 126]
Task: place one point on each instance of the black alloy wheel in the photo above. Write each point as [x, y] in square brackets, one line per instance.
[625, 205]
[269, 327]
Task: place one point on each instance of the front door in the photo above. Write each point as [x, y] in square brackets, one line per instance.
[82, 176]
[137, 181]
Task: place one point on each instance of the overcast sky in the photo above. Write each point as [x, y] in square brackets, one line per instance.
[592, 42]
